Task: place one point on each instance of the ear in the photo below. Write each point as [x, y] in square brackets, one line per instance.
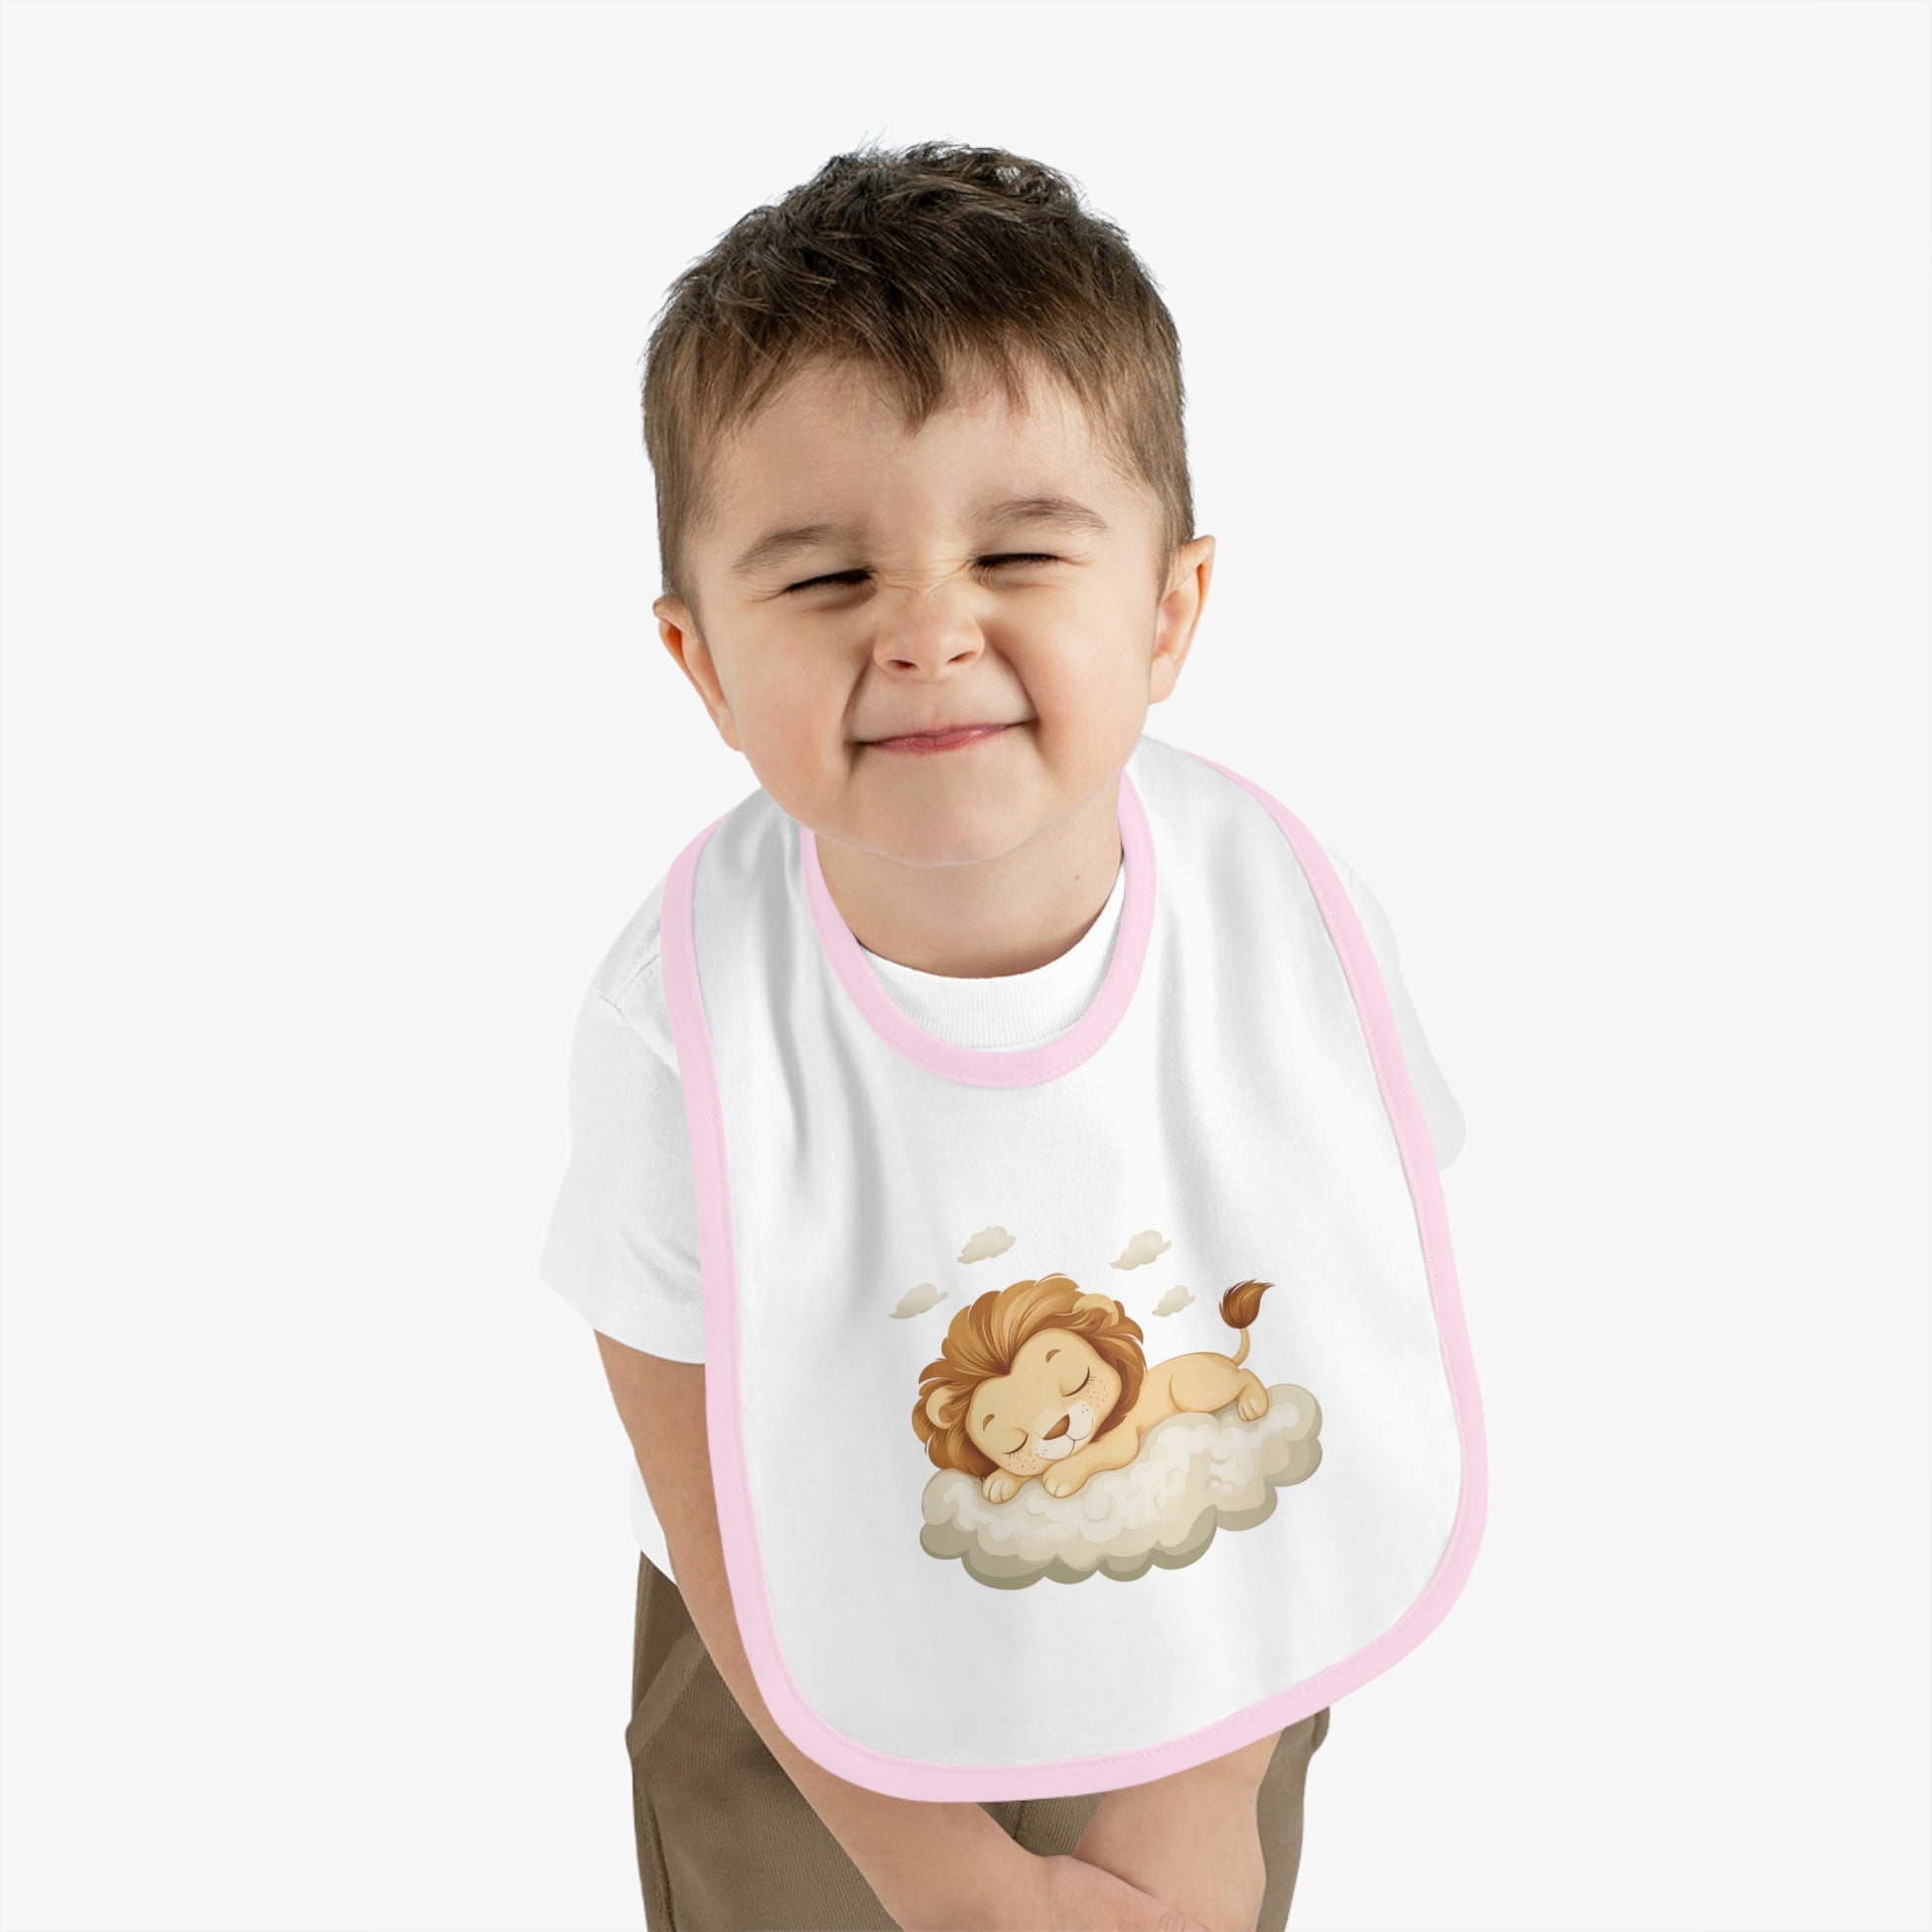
[678, 631]
[937, 1405]
[1179, 613]
[1104, 1303]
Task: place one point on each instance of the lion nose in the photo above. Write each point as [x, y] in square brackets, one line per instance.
[1058, 1429]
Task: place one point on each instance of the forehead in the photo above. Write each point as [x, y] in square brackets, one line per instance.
[1048, 1340]
[1031, 1355]
[830, 455]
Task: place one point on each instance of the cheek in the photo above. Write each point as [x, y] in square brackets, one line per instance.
[1022, 1462]
[1080, 648]
[1089, 723]
[788, 683]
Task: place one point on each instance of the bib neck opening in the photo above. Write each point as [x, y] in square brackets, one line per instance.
[988, 1067]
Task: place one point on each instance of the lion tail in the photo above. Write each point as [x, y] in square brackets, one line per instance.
[1239, 1307]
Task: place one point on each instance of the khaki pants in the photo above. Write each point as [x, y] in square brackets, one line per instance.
[726, 1841]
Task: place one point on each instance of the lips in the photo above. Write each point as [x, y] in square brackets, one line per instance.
[945, 739]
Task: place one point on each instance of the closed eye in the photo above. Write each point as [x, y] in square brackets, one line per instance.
[985, 563]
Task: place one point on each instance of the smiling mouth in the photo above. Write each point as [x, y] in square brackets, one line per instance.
[946, 741]
[1078, 1443]
[1067, 1446]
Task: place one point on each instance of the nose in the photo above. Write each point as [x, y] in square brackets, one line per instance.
[930, 634]
[1058, 1429]
[903, 653]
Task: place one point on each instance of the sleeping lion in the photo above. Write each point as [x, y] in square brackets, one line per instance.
[1041, 1380]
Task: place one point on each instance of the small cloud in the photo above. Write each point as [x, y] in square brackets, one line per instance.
[1174, 1299]
[1196, 1473]
[915, 1301]
[1143, 1248]
[986, 1243]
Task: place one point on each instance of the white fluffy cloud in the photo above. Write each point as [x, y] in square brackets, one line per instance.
[1143, 1248]
[987, 1242]
[915, 1301]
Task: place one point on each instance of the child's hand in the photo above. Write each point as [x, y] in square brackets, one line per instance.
[1054, 1894]
[1191, 1840]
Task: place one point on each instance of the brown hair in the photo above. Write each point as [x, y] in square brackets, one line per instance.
[934, 269]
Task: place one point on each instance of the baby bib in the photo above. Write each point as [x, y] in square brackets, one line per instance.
[1082, 1412]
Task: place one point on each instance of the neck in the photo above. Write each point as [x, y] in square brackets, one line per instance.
[990, 917]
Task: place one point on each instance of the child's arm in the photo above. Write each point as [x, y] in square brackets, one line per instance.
[931, 1864]
[1190, 1838]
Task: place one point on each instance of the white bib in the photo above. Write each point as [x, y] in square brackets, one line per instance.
[1081, 1413]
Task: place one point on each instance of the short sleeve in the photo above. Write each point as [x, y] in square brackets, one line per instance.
[1439, 1105]
[622, 1246]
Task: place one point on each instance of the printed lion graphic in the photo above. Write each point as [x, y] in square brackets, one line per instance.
[1039, 1379]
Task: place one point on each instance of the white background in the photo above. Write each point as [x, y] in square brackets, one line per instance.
[1558, 388]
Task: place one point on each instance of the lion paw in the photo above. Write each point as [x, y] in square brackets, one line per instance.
[1001, 1485]
[1253, 1403]
[1065, 1478]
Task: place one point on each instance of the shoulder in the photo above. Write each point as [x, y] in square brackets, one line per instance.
[627, 990]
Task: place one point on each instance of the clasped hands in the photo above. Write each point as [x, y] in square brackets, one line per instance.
[1179, 1853]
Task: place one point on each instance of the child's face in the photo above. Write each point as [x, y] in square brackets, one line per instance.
[896, 621]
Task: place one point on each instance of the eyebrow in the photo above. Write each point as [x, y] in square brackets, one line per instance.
[1062, 511]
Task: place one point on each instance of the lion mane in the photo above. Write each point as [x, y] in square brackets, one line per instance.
[985, 1336]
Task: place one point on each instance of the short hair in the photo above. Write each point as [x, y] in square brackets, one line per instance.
[932, 268]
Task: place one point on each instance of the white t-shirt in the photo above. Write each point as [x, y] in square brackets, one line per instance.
[623, 1245]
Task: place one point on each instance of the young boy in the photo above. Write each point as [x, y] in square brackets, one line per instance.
[926, 534]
